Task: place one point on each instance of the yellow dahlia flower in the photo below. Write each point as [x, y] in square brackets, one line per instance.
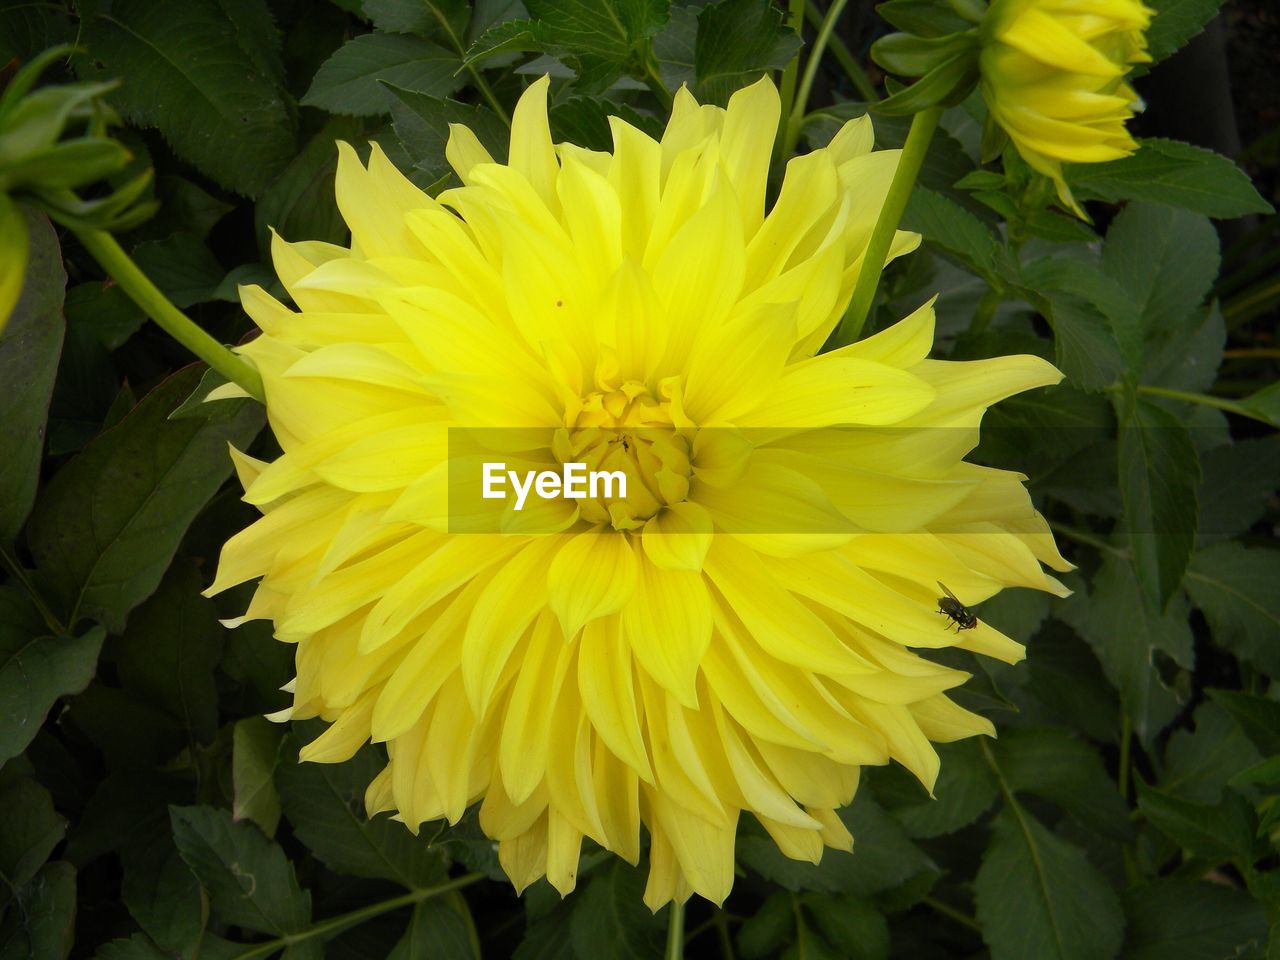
[733, 636]
[1053, 78]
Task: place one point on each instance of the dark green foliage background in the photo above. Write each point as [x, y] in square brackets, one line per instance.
[1130, 805]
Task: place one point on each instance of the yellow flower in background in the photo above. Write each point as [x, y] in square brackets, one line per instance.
[735, 636]
[1053, 78]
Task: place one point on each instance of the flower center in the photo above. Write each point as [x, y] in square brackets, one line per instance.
[630, 431]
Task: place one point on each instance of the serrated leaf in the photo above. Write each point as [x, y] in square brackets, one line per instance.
[168, 653]
[601, 38]
[438, 930]
[1259, 717]
[41, 924]
[1217, 832]
[422, 17]
[1055, 765]
[249, 880]
[1235, 587]
[1173, 173]
[1199, 764]
[1166, 261]
[610, 918]
[1175, 22]
[1159, 477]
[965, 790]
[350, 82]
[29, 831]
[737, 41]
[1037, 896]
[324, 802]
[952, 228]
[1189, 920]
[182, 266]
[255, 753]
[422, 124]
[106, 526]
[1078, 293]
[188, 75]
[30, 344]
[1186, 355]
[300, 202]
[1265, 404]
[1125, 635]
[105, 310]
[36, 668]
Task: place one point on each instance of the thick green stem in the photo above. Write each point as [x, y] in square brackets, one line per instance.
[173, 321]
[335, 925]
[675, 931]
[795, 119]
[923, 124]
[1205, 400]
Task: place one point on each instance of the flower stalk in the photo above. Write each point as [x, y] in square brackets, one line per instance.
[112, 258]
[923, 125]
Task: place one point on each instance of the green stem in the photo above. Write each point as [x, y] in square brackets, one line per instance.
[848, 63]
[787, 90]
[485, 90]
[949, 911]
[1251, 353]
[1126, 735]
[1205, 400]
[655, 83]
[795, 120]
[675, 931]
[10, 563]
[1088, 539]
[173, 321]
[335, 925]
[923, 124]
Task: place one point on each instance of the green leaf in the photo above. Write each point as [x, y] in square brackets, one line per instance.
[1198, 765]
[249, 880]
[954, 229]
[169, 651]
[1159, 476]
[764, 931]
[104, 310]
[965, 790]
[422, 17]
[1037, 896]
[600, 38]
[737, 42]
[1186, 355]
[1176, 22]
[422, 124]
[1237, 480]
[325, 804]
[255, 755]
[610, 918]
[188, 76]
[1217, 832]
[1235, 587]
[1055, 765]
[36, 668]
[883, 856]
[1125, 634]
[349, 81]
[29, 831]
[300, 202]
[438, 929]
[106, 526]
[1173, 173]
[1190, 920]
[1259, 717]
[41, 924]
[853, 927]
[29, 348]
[1073, 287]
[182, 266]
[1166, 261]
[1265, 404]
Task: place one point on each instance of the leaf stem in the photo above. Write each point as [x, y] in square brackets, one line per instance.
[335, 925]
[157, 306]
[852, 69]
[795, 120]
[10, 563]
[675, 931]
[1205, 400]
[959, 916]
[1088, 539]
[923, 124]
[787, 89]
[655, 82]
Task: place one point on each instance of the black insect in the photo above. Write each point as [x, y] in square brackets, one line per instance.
[955, 611]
